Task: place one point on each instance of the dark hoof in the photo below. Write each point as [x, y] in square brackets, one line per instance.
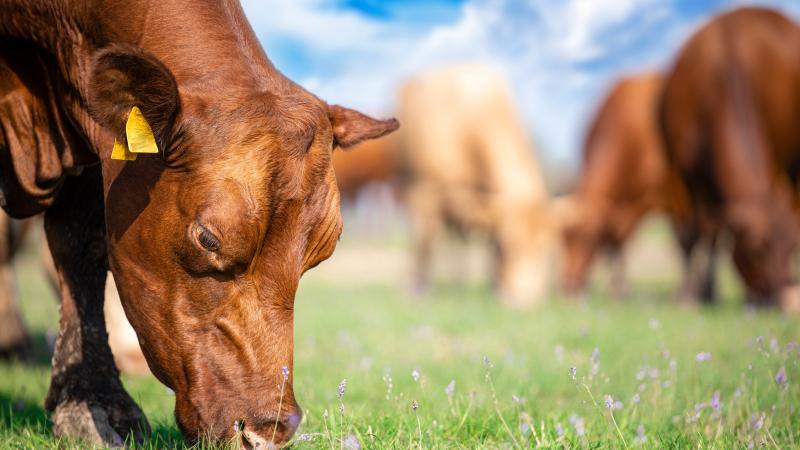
[100, 426]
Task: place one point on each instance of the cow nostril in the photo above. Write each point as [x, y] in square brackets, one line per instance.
[292, 421]
[270, 434]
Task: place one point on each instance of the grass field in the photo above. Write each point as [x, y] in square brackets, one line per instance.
[646, 374]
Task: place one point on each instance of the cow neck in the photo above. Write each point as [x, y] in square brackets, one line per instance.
[209, 43]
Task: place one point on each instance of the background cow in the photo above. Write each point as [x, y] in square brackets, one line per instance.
[468, 166]
[372, 162]
[14, 338]
[207, 238]
[729, 115]
[624, 176]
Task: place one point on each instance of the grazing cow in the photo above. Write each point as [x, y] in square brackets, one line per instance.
[371, 162]
[467, 164]
[14, 338]
[625, 175]
[161, 142]
[729, 116]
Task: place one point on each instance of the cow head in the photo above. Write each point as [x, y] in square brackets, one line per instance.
[522, 236]
[593, 226]
[581, 236]
[208, 239]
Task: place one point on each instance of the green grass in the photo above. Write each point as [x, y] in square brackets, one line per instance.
[368, 332]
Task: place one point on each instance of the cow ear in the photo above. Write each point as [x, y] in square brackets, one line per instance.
[128, 83]
[350, 127]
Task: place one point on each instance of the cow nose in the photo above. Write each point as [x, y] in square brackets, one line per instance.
[269, 435]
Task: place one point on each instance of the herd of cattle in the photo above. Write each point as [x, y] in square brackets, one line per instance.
[713, 143]
[208, 237]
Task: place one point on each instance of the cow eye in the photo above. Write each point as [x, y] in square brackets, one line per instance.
[208, 240]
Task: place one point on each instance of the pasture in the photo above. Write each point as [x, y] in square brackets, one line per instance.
[451, 369]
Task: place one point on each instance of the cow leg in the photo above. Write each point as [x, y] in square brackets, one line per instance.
[425, 225]
[14, 338]
[699, 267]
[86, 396]
[708, 285]
[620, 288]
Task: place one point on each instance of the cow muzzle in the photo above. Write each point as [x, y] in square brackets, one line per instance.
[271, 433]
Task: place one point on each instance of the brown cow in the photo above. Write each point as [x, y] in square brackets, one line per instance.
[371, 162]
[625, 175]
[468, 166]
[207, 238]
[729, 116]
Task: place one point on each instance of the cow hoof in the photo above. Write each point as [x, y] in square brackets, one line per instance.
[97, 425]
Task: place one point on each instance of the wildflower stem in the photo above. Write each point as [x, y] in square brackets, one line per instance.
[464, 417]
[771, 439]
[497, 409]
[327, 430]
[419, 429]
[280, 405]
[624, 443]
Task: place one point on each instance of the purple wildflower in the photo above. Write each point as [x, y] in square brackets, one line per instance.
[699, 406]
[305, 437]
[594, 362]
[715, 402]
[640, 438]
[636, 399]
[773, 345]
[780, 377]
[573, 372]
[737, 393]
[451, 388]
[525, 429]
[609, 401]
[487, 363]
[703, 357]
[578, 423]
[285, 373]
[757, 422]
[351, 442]
[342, 387]
[559, 430]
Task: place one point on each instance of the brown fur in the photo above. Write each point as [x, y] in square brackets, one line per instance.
[625, 175]
[207, 240]
[729, 115]
[370, 162]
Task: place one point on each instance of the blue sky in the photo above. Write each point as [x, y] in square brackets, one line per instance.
[559, 56]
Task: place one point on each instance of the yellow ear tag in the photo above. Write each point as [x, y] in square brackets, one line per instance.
[140, 135]
[121, 152]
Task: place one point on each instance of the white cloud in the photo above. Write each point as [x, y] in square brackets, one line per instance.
[559, 56]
